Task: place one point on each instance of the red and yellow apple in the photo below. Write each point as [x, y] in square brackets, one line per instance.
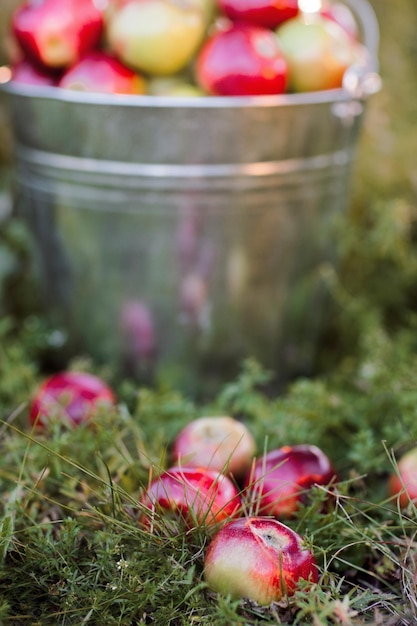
[280, 480]
[195, 496]
[70, 398]
[266, 13]
[101, 72]
[220, 443]
[57, 33]
[242, 60]
[157, 37]
[341, 13]
[403, 483]
[258, 558]
[318, 52]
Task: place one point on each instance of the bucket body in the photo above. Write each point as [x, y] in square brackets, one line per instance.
[178, 236]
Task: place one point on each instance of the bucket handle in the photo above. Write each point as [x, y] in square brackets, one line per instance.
[362, 79]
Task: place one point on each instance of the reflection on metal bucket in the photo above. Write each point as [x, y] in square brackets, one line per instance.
[178, 236]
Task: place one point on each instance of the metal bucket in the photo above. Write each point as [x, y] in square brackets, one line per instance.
[177, 236]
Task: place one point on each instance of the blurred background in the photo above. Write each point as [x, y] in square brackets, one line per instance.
[377, 278]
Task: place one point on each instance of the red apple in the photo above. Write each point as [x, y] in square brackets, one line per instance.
[318, 52]
[403, 484]
[267, 13]
[57, 33]
[280, 480]
[156, 36]
[196, 496]
[242, 60]
[27, 73]
[342, 15]
[258, 558]
[100, 72]
[220, 443]
[70, 397]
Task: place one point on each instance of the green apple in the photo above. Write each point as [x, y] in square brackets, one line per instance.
[177, 85]
[158, 37]
[318, 52]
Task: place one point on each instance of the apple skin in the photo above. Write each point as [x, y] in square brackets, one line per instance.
[241, 60]
[57, 33]
[279, 481]
[318, 52]
[102, 73]
[196, 496]
[258, 558]
[175, 86]
[404, 484]
[220, 443]
[266, 13]
[158, 37]
[27, 73]
[342, 15]
[71, 397]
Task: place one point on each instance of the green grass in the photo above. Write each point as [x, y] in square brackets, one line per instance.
[72, 550]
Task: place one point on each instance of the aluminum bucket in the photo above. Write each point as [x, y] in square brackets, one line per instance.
[174, 237]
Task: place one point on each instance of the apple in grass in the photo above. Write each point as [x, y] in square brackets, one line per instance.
[57, 33]
[242, 60]
[220, 443]
[280, 480]
[101, 72]
[403, 484]
[193, 496]
[318, 52]
[70, 398]
[158, 37]
[258, 558]
[266, 13]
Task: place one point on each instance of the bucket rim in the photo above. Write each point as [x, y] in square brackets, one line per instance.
[61, 95]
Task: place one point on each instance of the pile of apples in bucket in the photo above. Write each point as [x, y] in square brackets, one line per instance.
[216, 481]
[185, 47]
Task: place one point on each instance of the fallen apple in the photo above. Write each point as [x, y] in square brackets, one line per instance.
[70, 398]
[280, 480]
[318, 52]
[266, 13]
[403, 483]
[242, 60]
[221, 443]
[100, 72]
[57, 33]
[157, 37]
[195, 496]
[259, 559]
